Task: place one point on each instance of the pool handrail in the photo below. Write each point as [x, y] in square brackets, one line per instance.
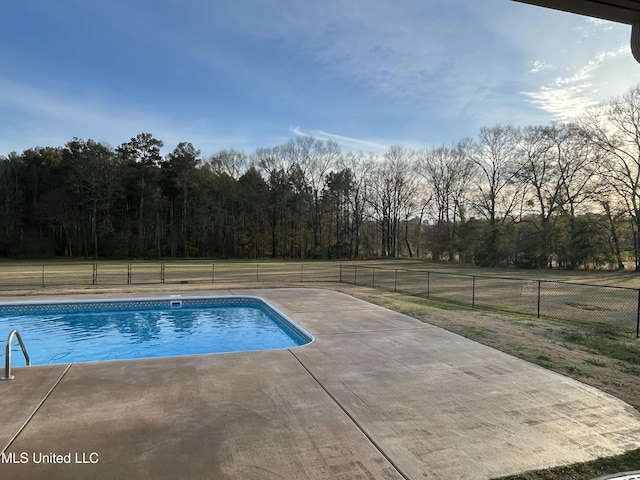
[7, 354]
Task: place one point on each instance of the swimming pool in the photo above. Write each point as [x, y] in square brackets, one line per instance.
[99, 330]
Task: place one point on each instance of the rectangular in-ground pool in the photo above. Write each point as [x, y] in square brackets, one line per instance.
[98, 330]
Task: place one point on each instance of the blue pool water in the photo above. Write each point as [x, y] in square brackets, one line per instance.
[66, 332]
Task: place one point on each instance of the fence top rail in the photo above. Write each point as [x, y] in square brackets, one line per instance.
[494, 277]
[564, 282]
[182, 262]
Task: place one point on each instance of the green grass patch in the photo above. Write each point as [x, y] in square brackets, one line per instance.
[573, 337]
[583, 471]
[630, 369]
[577, 371]
[544, 359]
[619, 348]
[596, 362]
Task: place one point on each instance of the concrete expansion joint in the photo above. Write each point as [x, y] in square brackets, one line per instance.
[353, 420]
[35, 410]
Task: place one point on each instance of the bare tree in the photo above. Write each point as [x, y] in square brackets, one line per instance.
[278, 171]
[615, 129]
[555, 165]
[538, 171]
[423, 200]
[393, 198]
[316, 158]
[300, 168]
[360, 167]
[615, 212]
[448, 173]
[497, 192]
[231, 162]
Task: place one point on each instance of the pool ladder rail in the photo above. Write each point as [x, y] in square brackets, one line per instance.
[7, 354]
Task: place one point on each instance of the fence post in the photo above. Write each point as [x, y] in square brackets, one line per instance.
[162, 273]
[373, 277]
[355, 275]
[301, 272]
[428, 284]
[128, 274]
[94, 279]
[43, 275]
[257, 272]
[473, 291]
[340, 273]
[395, 281]
[539, 295]
[638, 317]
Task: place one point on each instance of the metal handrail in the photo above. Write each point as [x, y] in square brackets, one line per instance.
[7, 354]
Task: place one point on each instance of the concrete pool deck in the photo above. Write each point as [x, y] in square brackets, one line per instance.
[378, 395]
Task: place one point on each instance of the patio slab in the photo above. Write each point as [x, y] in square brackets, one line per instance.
[378, 395]
[257, 415]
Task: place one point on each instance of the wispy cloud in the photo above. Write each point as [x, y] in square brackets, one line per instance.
[400, 54]
[348, 143]
[567, 97]
[595, 26]
[539, 66]
[598, 21]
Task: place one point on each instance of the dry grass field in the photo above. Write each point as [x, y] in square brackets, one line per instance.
[607, 298]
[30, 272]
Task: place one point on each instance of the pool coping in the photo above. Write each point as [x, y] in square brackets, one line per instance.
[378, 393]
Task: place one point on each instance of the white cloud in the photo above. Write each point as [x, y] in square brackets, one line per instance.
[598, 21]
[567, 97]
[539, 66]
[595, 27]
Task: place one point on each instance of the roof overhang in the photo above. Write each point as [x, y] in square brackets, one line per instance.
[621, 11]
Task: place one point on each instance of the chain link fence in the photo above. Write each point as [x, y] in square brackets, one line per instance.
[615, 306]
[17, 276]
[576, 302]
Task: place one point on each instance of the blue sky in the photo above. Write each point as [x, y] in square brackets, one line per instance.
[255, 73]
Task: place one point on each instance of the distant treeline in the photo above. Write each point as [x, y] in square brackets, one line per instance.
[565, 195]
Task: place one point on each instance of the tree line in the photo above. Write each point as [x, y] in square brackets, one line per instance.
[559, 195]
